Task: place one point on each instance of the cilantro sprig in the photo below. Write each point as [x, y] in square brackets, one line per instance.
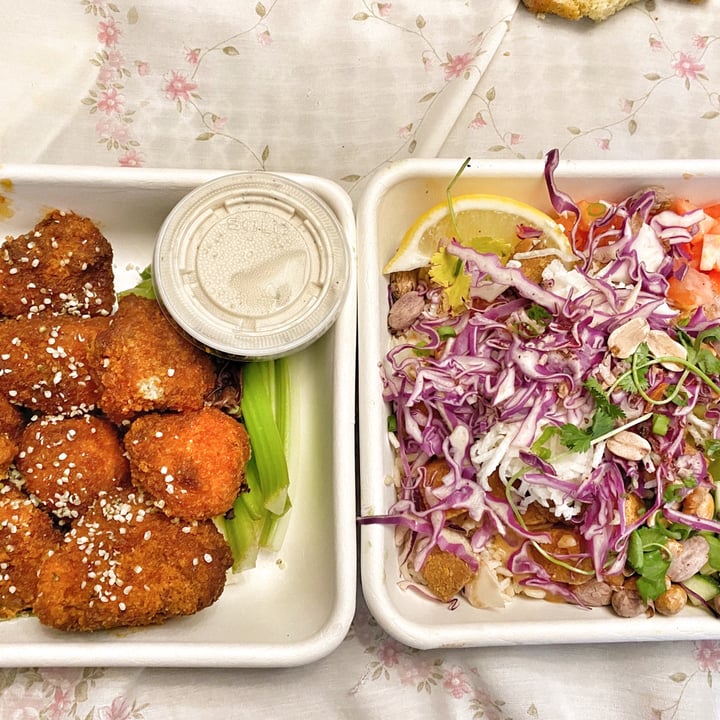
[577, 439]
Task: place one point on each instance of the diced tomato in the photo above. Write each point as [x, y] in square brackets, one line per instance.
[695, 289]
[682, 206]
[590, 211]
[713, 210]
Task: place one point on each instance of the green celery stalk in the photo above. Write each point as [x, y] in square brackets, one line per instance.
[274, 529]
[267, 444]
[282, 399]
[253, 498]
[243, 534]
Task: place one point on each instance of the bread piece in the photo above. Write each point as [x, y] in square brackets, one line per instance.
[575, 9]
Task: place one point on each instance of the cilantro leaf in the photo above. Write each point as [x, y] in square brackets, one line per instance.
[601, 424]
[448, 271]
[714, 554]
[575, 439]
[602, 401]
[707, 361]
[646, 556]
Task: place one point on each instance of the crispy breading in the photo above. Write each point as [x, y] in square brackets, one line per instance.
[46, 363]
[67, 462]
[27, 535]
[147, 365]
[11, 427]
[125, 563]
[12, 421]
[63, 265]
[445, 573]
[193, 462]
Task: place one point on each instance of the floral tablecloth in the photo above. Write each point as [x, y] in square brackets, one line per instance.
[338, 89]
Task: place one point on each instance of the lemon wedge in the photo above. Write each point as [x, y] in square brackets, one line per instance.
[476, 216]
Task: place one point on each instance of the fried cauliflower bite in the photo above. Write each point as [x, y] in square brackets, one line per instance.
[146, 365]
[126, 563]
[67, 462]
[11, 427]
[46, 363]
[63, 265]
[193, 463]
[27, 536]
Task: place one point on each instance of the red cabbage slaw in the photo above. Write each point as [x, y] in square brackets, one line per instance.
[510, 391]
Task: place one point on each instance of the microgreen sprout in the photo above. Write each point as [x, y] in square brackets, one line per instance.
[448, 192]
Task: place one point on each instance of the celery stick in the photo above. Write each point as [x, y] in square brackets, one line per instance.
[243, 533]
[265, 440]
[274, 529]
[253, 498]
[282, 399]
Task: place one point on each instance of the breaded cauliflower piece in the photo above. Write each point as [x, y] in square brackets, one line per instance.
[27, 536]
[125, 563]
[63, 265]
[46, 363]
[192, 462]
[146, 365]
[67, 462]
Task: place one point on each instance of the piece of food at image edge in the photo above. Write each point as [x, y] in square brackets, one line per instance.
[27, 535]
[12, 424]
[146, 365]
[125, 563]
[67, 462]
[597, 10]
[192, 462]
[64, 264]
[556, 435]
[47, 363]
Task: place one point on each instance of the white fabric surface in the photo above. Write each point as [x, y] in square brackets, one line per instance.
[337, 89]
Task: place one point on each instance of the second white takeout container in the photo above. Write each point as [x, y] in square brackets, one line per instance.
[394, 198]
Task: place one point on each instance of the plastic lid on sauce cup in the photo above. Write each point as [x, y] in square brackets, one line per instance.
[251, 266]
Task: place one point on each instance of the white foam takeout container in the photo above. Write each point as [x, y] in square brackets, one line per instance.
[297, 605]
[392, 200]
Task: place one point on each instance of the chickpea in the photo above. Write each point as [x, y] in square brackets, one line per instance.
[699, 502]
[672, 601]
